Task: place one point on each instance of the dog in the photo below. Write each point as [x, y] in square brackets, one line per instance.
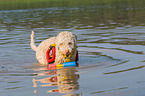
[65, 44]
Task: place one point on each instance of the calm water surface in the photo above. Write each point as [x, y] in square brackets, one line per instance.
[111, 50]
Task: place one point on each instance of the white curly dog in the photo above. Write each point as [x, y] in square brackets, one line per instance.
[65, 48]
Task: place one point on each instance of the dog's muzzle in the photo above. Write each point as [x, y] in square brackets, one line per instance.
[68, 57]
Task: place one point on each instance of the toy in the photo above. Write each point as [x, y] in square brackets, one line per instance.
[65, 64]
[51, 58]
[50, 55]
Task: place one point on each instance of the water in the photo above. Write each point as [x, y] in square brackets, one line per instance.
[110, 43]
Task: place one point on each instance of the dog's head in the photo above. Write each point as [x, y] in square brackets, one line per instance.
[66, 42]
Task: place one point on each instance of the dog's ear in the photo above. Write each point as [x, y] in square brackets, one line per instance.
[75, 39]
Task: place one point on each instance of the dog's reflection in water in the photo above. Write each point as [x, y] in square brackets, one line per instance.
[66, 79]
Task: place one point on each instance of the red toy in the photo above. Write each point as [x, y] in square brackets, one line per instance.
[50, 59]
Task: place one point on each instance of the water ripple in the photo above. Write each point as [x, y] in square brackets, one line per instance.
[130, 69]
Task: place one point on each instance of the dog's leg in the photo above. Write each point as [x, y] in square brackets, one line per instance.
[32, 44]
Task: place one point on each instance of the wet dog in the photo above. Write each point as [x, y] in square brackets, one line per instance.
[65, 48]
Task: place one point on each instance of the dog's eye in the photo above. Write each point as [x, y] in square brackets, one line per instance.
[70, 43]
[60, 44]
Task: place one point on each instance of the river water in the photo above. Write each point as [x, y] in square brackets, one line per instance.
[111, 45]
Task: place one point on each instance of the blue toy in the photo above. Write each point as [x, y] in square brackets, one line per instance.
[67, 64]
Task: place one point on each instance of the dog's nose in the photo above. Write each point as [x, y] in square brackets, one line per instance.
[67, 53]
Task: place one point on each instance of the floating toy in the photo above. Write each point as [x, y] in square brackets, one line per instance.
[50, 54]
[51, 57]
[65, 64]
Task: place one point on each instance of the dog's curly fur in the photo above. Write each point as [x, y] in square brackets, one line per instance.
[65, 42]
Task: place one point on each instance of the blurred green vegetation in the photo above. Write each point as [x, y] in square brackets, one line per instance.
[27, 4]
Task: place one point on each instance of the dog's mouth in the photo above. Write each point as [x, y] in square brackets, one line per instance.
[67, 55]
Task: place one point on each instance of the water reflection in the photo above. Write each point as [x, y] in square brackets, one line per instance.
[65, 79]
